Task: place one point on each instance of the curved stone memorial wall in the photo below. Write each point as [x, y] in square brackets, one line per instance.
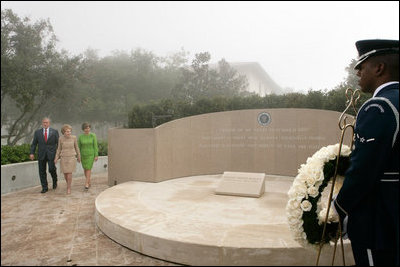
[271, 141]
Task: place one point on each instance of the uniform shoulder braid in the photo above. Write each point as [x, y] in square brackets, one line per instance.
[378, 116]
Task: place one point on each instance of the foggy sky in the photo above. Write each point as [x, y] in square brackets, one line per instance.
[301, 45]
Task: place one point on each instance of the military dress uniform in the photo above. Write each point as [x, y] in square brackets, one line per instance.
[368, 202]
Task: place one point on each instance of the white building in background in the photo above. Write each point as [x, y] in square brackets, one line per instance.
[259, 80]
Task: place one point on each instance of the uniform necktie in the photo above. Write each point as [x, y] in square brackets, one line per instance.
[45, 135]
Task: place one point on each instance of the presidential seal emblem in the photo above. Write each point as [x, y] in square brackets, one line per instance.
[264, 118]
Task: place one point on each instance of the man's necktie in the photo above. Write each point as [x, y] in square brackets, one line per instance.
[45, 135]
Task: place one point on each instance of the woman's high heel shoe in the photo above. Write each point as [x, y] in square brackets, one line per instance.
[87, 186]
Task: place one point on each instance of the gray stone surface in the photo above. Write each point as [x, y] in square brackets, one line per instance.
[55, 229]
[183, 220]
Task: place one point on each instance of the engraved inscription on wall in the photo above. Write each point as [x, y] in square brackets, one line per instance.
[279, 138]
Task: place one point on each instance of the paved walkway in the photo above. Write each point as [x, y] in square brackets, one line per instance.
[55, 229]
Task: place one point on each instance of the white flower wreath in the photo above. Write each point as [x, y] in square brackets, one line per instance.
[306, 208]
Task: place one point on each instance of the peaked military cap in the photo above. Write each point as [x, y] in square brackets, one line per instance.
[374, 47]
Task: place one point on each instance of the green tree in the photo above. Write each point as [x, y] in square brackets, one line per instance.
[199, 81]
[337, 99]
[227, 81]
[112, 85]
[314, 100]
[351, 79]
[33, 73]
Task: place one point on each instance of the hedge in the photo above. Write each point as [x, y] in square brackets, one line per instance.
[15, 154]
[155, 113]
[20, 153]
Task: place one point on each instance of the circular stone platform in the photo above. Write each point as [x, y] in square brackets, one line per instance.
[182, 220]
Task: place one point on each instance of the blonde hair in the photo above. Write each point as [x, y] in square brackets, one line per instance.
[65, 127]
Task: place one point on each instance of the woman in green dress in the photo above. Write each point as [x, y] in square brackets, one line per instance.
[87, 143]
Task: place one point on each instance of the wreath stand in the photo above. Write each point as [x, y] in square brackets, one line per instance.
[352, 98]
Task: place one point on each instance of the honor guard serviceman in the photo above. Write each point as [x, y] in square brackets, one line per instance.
[368, 202]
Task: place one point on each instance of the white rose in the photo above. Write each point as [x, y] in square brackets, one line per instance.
[297, 227]
[301, 177]
[298, 191]
[315, 173]
[293, 204]
[298, 233]
[296, 213]
[345, 151]
[333, 217]
[309, 159]
[322, 156]
[310, 181]
[306, 205]
[315, 165]
[302, 166]
[292, 220]
[307, 173]
[312, 191]
[320, 175]
[333, 149]
[331, 156]
[323, 150]
[292, 192]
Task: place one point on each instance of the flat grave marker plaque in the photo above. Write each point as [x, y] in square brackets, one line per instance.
[246, 184]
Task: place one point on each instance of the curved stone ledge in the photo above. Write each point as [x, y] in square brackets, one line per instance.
[182, 220]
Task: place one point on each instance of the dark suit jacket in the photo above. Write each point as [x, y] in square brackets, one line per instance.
[370, 192]
[48, 148]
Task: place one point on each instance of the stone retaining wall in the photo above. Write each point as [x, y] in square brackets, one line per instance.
[26, 174]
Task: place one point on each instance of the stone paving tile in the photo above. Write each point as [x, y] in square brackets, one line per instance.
[55, 229]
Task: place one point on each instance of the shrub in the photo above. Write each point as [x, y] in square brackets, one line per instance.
[103, 148]
[156, 113]
[20, 153]
[15, 154]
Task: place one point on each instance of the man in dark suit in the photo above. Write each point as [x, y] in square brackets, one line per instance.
[47, 141]
[368, 202]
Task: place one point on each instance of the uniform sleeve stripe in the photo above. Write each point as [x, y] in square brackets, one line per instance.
[340, 207]
[395, 112]
[377, 106]
[396, 115]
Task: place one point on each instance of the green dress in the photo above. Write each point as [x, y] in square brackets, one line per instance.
[89, 150]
